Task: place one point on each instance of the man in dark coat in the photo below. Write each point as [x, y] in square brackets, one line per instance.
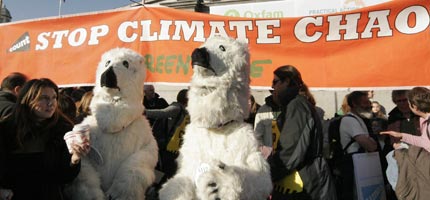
[10, 87]
[159, 125]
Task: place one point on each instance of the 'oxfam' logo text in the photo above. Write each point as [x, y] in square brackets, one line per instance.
[232, 13]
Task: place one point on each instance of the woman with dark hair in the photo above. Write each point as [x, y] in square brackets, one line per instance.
[298, 168]
[35, 162]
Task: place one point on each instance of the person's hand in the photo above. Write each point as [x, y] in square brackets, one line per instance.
[6, 194]
[78, 142]
[396, 145]
[79, 150]
[392, 133]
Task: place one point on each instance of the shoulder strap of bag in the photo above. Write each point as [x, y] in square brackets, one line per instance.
[352, 139]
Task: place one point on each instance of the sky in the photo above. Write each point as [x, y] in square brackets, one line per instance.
[23, 10]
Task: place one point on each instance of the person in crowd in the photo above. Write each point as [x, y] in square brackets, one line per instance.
[66, 91]
[77, 94]
[174, 112]
[376, 110]
[152, 100]
[299, 150]
[379, 123]
[355, 137]
[177, 118]
[10, 87]
[253, 108]
[265, 126]
[419, 104]
[413, 175]
[401, 118]
[344, 108]
[325, 123]
[35, 162]
[159, 125]
[83, 109]
[370, 94]
[67, 107]
[355, 127]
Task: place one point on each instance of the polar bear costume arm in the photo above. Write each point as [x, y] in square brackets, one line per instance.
[242, 173]
[135, 174]
[246, 177]
[182, 186]
[250, 181]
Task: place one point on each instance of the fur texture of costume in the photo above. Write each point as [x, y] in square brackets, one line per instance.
[119, 132]
[219, 157]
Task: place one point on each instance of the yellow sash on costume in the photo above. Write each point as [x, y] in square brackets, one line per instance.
[176, 140]
[290, 184]
[276, 134]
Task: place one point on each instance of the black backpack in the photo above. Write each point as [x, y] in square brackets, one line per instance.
[336, 152]
[340, 162]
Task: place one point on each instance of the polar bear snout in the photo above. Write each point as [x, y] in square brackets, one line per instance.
[200, 57]
[108, 79]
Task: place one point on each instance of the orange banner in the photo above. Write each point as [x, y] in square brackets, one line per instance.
[387, 45]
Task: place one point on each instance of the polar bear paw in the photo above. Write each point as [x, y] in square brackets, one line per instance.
[219, 183]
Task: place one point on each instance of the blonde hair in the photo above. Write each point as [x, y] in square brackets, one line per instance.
[84, 104]
[345, 107]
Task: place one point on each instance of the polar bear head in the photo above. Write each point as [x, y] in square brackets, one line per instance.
[120, 74]
[220, 83]
[118, 92]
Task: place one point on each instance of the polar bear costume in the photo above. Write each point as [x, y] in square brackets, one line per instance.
[219, 157]
[119, 132]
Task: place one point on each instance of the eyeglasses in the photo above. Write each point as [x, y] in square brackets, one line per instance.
[275, 81]
[401, 101]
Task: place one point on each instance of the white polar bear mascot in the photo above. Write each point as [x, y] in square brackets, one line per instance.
[122, 161]
[219, 158]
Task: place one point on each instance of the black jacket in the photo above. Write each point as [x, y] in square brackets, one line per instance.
[300, 148]
[7, 103]
[410, 126]
[35, 174]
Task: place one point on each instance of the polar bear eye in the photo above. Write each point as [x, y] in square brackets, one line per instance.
[125, 63]
[107, 63]
[222, 47]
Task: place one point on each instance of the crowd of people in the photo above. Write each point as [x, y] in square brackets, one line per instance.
[35, 162]
[364, 127]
